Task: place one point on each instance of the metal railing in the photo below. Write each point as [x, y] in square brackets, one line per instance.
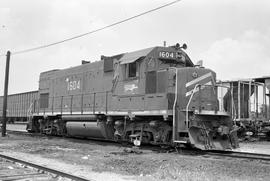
[67, 103]
[189, 101]
[219, 107]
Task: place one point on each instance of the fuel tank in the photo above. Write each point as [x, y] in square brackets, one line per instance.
[87, 129]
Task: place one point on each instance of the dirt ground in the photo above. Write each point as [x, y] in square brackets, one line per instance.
[255, 147]
[97, 160]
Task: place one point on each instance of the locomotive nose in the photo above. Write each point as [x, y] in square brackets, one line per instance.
[198, 111]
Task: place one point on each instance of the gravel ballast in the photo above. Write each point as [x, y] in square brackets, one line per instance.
[108, 161]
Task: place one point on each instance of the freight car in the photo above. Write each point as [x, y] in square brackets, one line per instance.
[249, 104]
[18, 105]
[155, 95]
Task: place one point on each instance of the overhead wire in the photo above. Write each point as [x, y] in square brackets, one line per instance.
[93, 31]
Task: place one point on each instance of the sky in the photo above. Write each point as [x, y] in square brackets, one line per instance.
[232, 37]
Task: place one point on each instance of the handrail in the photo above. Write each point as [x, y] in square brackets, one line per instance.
[29, 111]
[233, 108]
[71, 97]
[175, 100]
[193, 91]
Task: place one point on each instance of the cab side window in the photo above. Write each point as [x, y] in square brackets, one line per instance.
[132, 70]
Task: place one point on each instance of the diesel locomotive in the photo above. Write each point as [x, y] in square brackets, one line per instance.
[154, 96]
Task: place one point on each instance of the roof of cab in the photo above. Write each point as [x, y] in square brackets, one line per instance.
[133, 56]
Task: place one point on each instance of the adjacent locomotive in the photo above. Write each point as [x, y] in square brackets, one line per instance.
[155, 95]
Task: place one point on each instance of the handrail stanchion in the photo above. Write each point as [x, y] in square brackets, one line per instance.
[193, 91]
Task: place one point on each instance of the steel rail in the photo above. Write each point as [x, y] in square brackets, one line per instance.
[237, 154]
[233, 154]
[43, 168]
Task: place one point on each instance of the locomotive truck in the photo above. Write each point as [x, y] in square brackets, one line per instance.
[151, 96]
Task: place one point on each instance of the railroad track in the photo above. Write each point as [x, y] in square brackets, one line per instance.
[232, 154]
[242, 155]
[15, 169]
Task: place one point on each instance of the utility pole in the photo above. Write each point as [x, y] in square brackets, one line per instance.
[4, 118]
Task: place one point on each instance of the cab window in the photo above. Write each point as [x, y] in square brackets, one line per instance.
[132, 70]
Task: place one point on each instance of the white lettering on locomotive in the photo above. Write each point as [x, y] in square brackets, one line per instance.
[73, 84]
[164, 54]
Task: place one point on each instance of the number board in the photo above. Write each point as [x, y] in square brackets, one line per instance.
[167, 55]
[73, 84]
